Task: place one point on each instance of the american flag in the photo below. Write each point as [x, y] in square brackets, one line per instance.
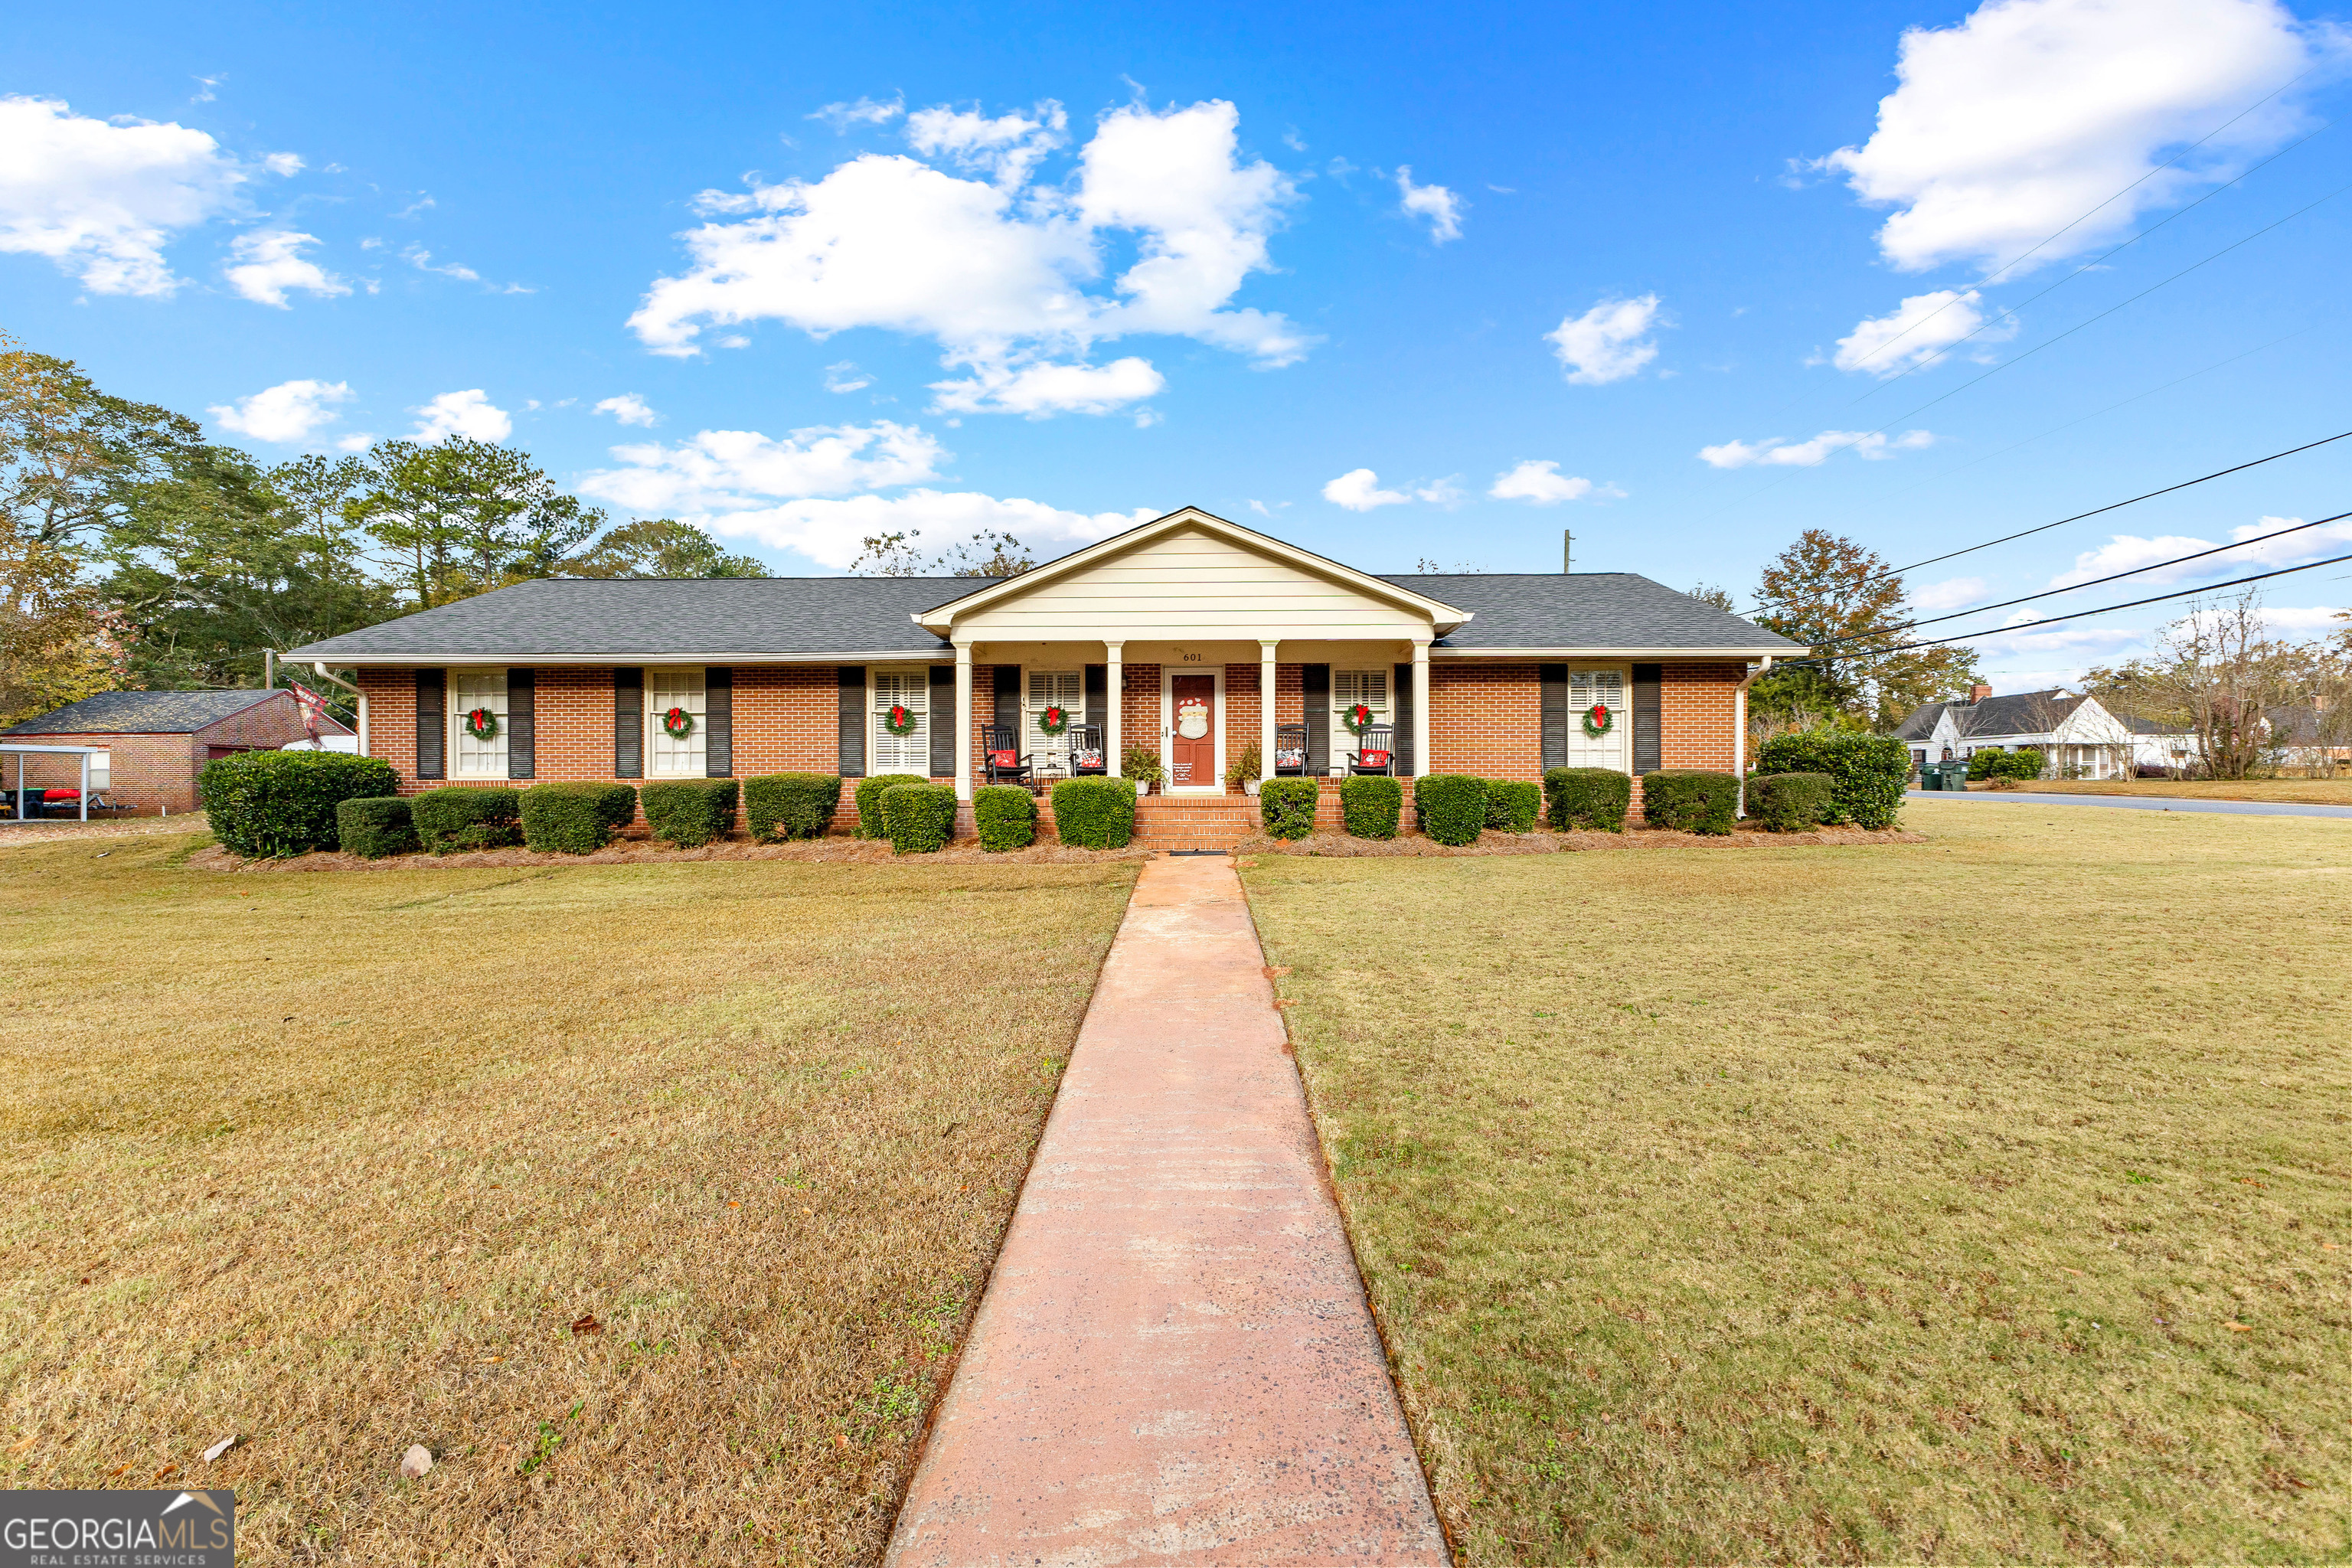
[313, 706]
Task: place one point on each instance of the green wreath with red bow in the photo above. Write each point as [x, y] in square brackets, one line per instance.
[900, 720]
[482, 724]
[1053, 721]
[1358, 719]
[678, 723]
[1598, 720]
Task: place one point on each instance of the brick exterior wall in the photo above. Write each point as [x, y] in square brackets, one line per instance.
[154, 774]
[1486, 719]
[1698, 714]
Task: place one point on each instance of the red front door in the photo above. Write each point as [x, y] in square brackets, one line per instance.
[1192, 731]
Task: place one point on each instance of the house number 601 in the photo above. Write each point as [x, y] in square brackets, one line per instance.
[1193, 657]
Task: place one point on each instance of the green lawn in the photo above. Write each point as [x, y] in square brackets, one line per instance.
[1986, 1199]
[652, 1200]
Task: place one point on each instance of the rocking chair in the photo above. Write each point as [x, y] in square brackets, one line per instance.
[1000, 755]
[1290, 750]
[1374, 752]
[1088, 758]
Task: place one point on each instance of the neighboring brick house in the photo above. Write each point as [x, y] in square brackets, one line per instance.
[154, 741]
[1190, 618]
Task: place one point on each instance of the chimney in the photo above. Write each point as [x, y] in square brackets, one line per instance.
[1978, 694]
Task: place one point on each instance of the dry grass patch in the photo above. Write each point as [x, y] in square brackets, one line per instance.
[2299, 792]
[651, 1199]
[1988, 1199]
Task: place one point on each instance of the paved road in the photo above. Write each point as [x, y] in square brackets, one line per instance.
[1173, 1361]
[2139, 803]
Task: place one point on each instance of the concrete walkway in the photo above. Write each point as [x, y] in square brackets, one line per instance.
[1173, 1361]
[2139, 803]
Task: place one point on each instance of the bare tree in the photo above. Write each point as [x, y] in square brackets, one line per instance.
[2219, 668]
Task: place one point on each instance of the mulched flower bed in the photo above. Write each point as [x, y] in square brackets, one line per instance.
[1339, 844]
[647, 852]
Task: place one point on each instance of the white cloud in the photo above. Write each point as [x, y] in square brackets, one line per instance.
[1775, 450]
[420, 259]
[997, 272]
[101, 199]
[2301, 622]
[1918, 332]
[357, 441]
[720, 472]
[2129, 551]
[1006, 148]
[1540, 482]
[1440, 207]
[1446, 492]
[629, 409]
[860, 111]
[284, 165]
[830, 532]
[846, 377]
[1039, 390]
[285, 412]
[1608, 342]
[1952, 594]
[2029, 114]
[270, 262]
[468, 414]
[1358, 490]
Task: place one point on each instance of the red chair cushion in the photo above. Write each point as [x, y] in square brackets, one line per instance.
[1289, 758]
[1373, 759]
[1002, 759]
[61, 794]
[1086, 759]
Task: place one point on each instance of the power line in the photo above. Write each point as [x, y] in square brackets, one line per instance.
[2092, 582]
[2078, 615]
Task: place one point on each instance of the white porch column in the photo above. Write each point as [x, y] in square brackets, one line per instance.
[1266, 709]
[1115, 705]
[963, 721]
[1420, 708]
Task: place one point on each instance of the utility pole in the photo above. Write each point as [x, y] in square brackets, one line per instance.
[1567, 551]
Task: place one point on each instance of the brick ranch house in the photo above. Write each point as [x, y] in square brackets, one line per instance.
[154, 741]
[1190, 620]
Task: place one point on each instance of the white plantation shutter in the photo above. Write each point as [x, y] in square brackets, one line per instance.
[1063, 688]
[1589, 689]
[1350, 687]
[667, 688]
[909, 753]
[469, 689]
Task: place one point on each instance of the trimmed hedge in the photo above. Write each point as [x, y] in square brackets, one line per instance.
[1095, 813]
[790, 805]
[467, 816]
[1006, 815]
[1869, 771]
[1452, 807]
[575, 818]
[918, 817]
[1511, 806]
[869, 801]
[1591, 799]
[1690, 800]
[266, 804]
[690, 812]
[372, 827]
[1372, 805]
[1286, 806]
[1789, 803]
[2023, 766]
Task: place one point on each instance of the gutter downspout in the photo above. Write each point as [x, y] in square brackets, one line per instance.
[1739, 730]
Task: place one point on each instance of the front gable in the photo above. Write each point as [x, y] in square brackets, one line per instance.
[1192, 575]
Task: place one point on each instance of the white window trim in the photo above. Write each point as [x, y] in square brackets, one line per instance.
[1167, 674]
[1623, 731]
[1344, 746]
[875, 734]
[454, 751]
[1032, 743]
[654, 712]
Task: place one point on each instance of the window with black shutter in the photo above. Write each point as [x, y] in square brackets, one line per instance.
[1407, 763]
[1649, 743]
[628, 723]
[1315, 686]
[522, 728]
[432, 724]
[943, 721]
[1553, 679]
[718, 722]
[853, 720]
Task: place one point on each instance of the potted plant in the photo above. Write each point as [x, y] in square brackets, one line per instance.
[1141, 763]
[1243, 770]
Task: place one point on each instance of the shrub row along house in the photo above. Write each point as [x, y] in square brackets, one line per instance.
[1188, 648]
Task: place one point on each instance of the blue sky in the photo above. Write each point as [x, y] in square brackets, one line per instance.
[1047, 268]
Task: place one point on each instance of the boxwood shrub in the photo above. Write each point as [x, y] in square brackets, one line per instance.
[1372, 805]
[1511, 806]
[1993, 763]
[790, 805]
[1869, 772]
[918, 817]
[1789, 803]
[1095, 813]
[1592, 800]
[1286, 806]
[373, 827]
[1006, 816]
[690, 812]
[266, 804]
[575, 818]
[467, 816]
[869, 801]
[1690, 800]
[1452, 807]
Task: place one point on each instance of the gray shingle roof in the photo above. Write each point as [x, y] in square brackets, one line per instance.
[648, 618]
[1921, 725]
[140, 713]
[2019, 713]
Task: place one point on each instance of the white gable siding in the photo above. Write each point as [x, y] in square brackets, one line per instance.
[1192, 585]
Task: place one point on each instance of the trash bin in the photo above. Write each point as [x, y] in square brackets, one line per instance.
[1956, 775]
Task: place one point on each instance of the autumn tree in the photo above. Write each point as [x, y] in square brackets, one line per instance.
[1840, 601]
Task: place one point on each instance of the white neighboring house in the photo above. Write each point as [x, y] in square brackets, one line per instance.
[2170, 746]
[2070, 732]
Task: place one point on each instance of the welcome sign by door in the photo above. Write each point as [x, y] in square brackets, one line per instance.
[1193, 741]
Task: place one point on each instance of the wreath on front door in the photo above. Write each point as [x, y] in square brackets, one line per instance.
[900, 720]
[1053, 721]
[482, 724]
[1598, 720]
[1357, 718]
[678, 723]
